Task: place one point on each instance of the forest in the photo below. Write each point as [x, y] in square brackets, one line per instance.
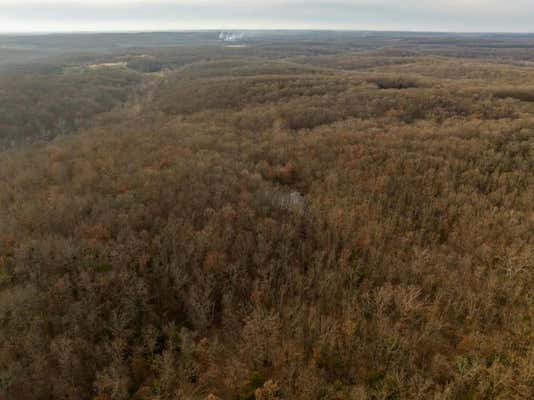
[306, 215]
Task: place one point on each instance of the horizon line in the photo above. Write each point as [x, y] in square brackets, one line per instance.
[200, 30]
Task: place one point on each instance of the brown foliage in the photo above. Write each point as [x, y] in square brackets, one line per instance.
[270, 238]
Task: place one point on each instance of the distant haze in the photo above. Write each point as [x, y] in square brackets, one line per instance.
[148, 15]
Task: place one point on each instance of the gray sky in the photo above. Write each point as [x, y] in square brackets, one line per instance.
[139, 15]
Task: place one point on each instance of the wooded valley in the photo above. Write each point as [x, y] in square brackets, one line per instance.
[300, 216]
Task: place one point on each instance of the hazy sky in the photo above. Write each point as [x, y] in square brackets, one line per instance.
[138, 15]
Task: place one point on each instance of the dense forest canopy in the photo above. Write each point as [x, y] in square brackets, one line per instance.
[296, 215]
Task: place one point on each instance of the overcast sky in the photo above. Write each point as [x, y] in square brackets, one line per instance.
[142, 15]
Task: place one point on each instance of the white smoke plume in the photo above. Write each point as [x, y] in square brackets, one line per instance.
[230, 36]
